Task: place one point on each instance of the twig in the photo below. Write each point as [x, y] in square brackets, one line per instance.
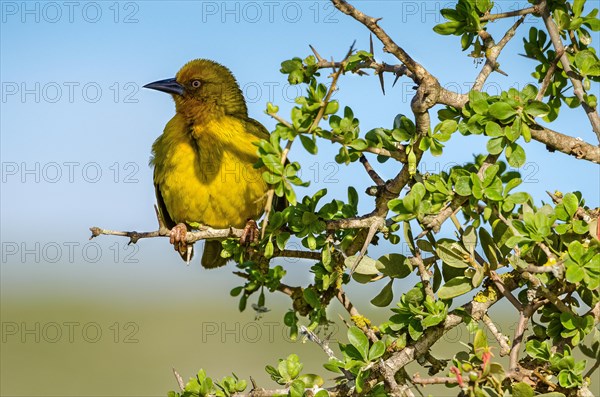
[548, 76]
[578, 89]
[315, 338]
[372, 173]
[389, 44]
[284, 288]
[433, 381]
[354, 314]
[517, 13]
[298, 254]
[551, 296]
[502, 340]
[424, 274]
[377, 223]
[191, 237]
[504, 291]
[524, 317]
[493, 53]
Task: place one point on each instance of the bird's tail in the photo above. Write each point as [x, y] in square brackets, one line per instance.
[211, 257]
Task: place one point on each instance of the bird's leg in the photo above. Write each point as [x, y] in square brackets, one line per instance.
[250, 233]
[177, 238]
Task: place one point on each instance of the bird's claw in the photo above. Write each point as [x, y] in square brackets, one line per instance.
[177, 237]
[250, 233]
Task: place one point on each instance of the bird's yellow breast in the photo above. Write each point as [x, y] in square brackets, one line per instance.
[205, 172]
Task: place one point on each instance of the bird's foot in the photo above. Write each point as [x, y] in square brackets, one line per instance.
[177, 237]
[250, 233]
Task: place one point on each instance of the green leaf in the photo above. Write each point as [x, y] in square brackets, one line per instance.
[463, 186]
[571, 204]
[502, 111]
[311, 380]
[537, 109]
[366, 266]
[480, 343]
[492, 129]
[394, 265]
[309, 144]
[332, 107]
[522, 389]
[269, 249]
[311, 297]
[376, 350]
[576, 250]
[452, 254]
[495, 145]
[359, 340]
[385, 296]
[578, 7]
[297, 388]
[447, 28]
[282, 239]
[455, 287]
[515, 155]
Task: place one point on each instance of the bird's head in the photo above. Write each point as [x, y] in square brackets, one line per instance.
[203, 87]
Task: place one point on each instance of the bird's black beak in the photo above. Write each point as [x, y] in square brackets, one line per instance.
[170, 86]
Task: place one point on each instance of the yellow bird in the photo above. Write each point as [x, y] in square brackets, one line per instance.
[203, 161]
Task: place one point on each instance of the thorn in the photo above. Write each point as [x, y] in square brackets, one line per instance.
[351, 50]
[188, 255]
[319, 57]
[254, 386]
[398, 74]
[501, 72]
[371, 44]
[179, 379]
[381, 82]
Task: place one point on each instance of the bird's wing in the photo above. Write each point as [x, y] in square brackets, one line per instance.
[257, 129]
[162, 208]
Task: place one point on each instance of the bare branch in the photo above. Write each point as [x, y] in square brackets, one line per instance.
[372, 173]
[517, 13]
[203, 233]
[389, 44]
[424, 274]
[501, 339]
[493, 52]
[355, 315]
[548, 77]
[433, 381]
[519, 331]
[566, 144]
[507, 294]
[578, 89]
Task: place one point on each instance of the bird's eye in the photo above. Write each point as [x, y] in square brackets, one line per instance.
[195, 83]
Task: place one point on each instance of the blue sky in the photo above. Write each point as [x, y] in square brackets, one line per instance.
[77, 126]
